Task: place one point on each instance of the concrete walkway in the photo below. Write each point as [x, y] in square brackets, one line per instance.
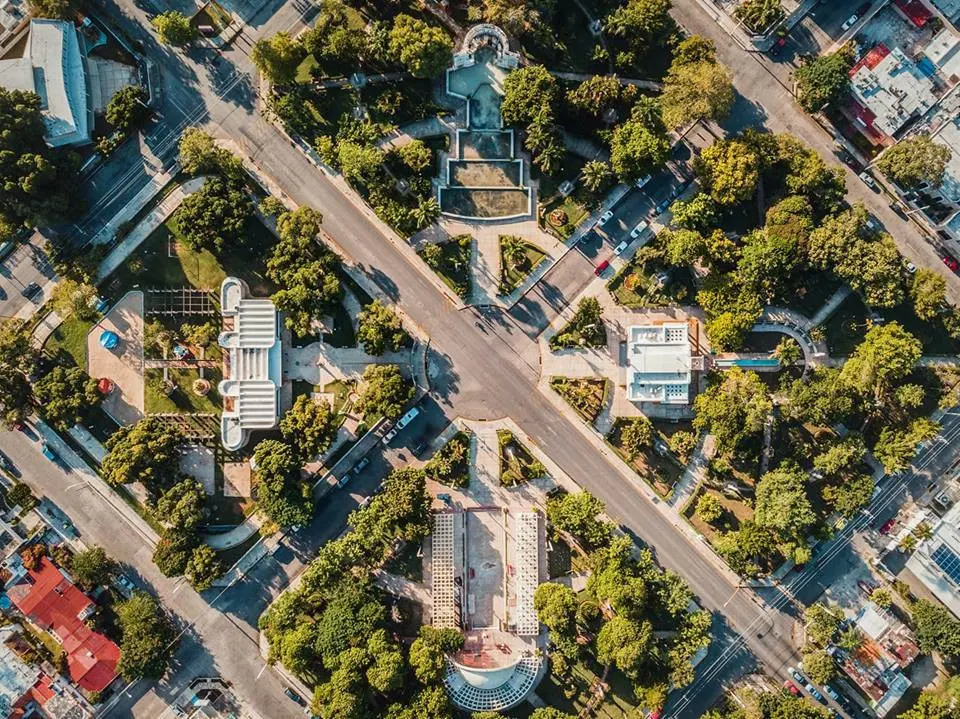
[46, 327]
[147, 225]
[404, 134]
[402, 587]
[319, 363]
[90, 444]
[831, 305]
[236, 536]
[581, 77]
[694, 474]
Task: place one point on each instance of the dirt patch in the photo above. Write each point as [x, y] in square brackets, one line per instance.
[489, 173]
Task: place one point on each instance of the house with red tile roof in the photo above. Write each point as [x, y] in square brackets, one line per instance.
[53, 603]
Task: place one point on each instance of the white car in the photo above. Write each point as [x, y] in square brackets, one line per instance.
[604, 218]
[868, 180]
[849, 23]
[401, 423]
[911, 268]
[639, 229]
[643, 181]
[618, 250]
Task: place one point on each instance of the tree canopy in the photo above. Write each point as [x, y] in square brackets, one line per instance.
[822, 79]
[638, 148]
[915, 161]
[181, 506]
[173, 28]
[380, 329]
[127, 108]
[281, 493]
[425, 50]
[733, 409]
[215, 216]
[278, 57]
[928, 292]
[697, 90]
[887, 354]
[309, 427]
[147, 637]
[385, 392]
[730, 169]
[91, 567]
[143, 452]
[576, 513]
[782, 503]
[65, 395]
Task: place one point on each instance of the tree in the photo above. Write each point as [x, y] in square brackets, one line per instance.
[173, 551]
[895, 447]
[385, 392]
[556, 606]
[576, 513]
[545, 713]
[696, 91]
[821, 623]
[788, 351]
[730, 169]
[850, 495]
[882, 597]
[215, 216]
[281, 493]
[526, 91]
[743, 547]
[733, 409]
[56, 9]
[389, 667]
[887, 354]
[759, 15]
[425, 50]
[782, 504]
[644, 24]
[682, 444]
[841, 456]
[127, 108]
[596, 96]
[709, 508]
[427, 653]
[767, 262]
[636, 150]
[519, 17]
[181, 506]
[65, 395]
[915, 161]
[822, 400]
[146, 638]
[173, 28]
[306, 271]
[636, 435]
[930, 705]
[71, 298]
[698, 214]
[596, 175]
[936, 628]
[928, 292]
[309, 427]
[91, 567]
[200, 154]
[823, 78]
[380, 329]
[278, 57]
[819, 666]
[203, 568]
[143, 452]
[416, 155]
[37, 185]
[626, 644]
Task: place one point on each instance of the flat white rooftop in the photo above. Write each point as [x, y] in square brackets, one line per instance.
[659, 359]
[252, 378]
[936, 561]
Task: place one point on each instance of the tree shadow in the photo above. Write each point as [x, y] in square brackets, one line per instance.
[745, 114]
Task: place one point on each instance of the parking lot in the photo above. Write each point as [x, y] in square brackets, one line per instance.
[23, 268]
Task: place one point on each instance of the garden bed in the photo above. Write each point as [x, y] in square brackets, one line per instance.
[68, 343]
[661, 472]
[646, 282]
[183, 400]
[450, 465]
[514, 269]
[485, 173]
[516, 463]
[585, 394]
[452, 263]
[467, 202]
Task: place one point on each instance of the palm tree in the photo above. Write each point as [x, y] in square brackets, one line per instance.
[514, 251]
[426, 212]
[596, 174]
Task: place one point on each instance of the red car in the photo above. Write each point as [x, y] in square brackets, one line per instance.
[601, 267]
[887, 526]
[950, 262]
[791, 687]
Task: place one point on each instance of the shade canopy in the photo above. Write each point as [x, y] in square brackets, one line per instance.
[109, 340]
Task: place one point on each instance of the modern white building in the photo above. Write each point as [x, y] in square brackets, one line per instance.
[252, 364]
[54, 67]
[659, 363]
[936, 561]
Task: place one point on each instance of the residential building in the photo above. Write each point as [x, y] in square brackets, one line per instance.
[936, 561]
[876, 666]
[52, 602]
[659, 363]
[889, 90]
[55, 68]
[26, 690]
[14, 18]
[252, 364]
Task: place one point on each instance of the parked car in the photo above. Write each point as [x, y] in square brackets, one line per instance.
[444, 497]
[361, 465]
[831, 692]
[7, 464]
[420, 446]
[618, 250]
[778, 46]
[294, 696]
[950, 262]
[6, 248]
[604, 218]
[124, 583]
[601, 267]
[850, 22]
[31, 291]
[643, 181]
[887, 526]
[48, 452]
[797, 676]
[895, 206]
[401, 423]
[869, 181]
[639, 229]
[791, 687]
[366, 500]
[910, 267]
[815, 693]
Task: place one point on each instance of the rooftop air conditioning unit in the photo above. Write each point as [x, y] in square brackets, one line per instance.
[943, 499]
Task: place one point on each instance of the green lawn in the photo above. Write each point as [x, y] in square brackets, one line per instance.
[341, 393]
[158, 263]
[406, 563]
[69, 341]
[846, 327]
[183, 399]
[619, 703]
[453, 265]
[514, 272]
[637, 284]
[342, 334]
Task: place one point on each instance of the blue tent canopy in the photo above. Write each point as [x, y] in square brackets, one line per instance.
[109, 340]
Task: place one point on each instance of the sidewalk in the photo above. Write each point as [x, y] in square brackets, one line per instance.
[831, 305]
[694, 473]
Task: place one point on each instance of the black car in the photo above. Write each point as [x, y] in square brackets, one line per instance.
[7, 464]
[294, 696]
[420, 446]
[31, 290]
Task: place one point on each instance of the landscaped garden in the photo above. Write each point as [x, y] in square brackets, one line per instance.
[585, 328]
[645, 449]
[182, 391]
[585, 394]
[648, 280]
[516, 463]
[518, 259]
[451, 261]
[450, 464]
